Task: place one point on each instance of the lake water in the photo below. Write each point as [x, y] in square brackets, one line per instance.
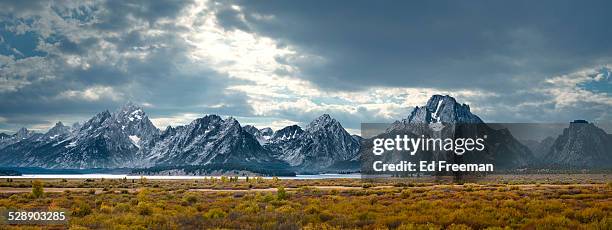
[121, 176]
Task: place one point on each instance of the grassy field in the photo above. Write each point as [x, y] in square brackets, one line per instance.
[559, 202]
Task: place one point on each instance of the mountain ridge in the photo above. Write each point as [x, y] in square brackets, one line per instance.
[127, 138]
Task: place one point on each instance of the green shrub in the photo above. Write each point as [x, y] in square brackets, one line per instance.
[190, 199]
[215, 213]
[122, 207]
[144, 208]
[281, 194]
[80, 209]
[37, 189]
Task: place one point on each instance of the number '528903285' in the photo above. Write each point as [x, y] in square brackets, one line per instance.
[35, 217]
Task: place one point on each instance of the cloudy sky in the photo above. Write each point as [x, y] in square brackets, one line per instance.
[275, 63]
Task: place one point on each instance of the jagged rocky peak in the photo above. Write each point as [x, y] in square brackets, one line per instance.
[209, 118]
[75, 126]
[323, 122]
[205, 123]
[267, 130]
[97, 120]
[262, 135]
[58, 129]
[231, 124]
[169, 131]
[60, 125]
[287, 133]
[131, 112]
[443, 109]
[135, 122]
[23, 133]
[319, 148]
[93, 123]
[251, 129]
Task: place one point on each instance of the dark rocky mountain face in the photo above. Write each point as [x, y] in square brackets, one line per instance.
[58, 131]
[438, 109]
[357, 138]
[443, 109]
[251, 129]
[581, 145]
[539, 148]
[262, 135]
[321, 147]
[135, 122]
[23, 133]
[502, 149]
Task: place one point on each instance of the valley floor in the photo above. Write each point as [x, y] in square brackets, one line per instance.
[316, 204]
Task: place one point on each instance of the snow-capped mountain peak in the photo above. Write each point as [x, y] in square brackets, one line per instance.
[262, 135]
[23, 133]
[443, 109]
[129, 113]
[133, 121]
[208, 140]
[127, 138]
[57, 131]
[323, 144]
[287, 133]
[323, 122]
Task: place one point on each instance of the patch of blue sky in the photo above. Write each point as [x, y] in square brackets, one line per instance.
[602, 82]
[19, 45]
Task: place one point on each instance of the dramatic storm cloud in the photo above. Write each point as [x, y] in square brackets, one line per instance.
[275, 63]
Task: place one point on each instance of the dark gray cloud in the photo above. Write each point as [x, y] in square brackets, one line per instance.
[508, 49]
[449, 44]
[114, 57]
[68, 60]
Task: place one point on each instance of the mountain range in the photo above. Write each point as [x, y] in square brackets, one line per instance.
[126, 138]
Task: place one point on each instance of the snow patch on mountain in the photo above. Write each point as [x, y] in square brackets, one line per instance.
[135, 140]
